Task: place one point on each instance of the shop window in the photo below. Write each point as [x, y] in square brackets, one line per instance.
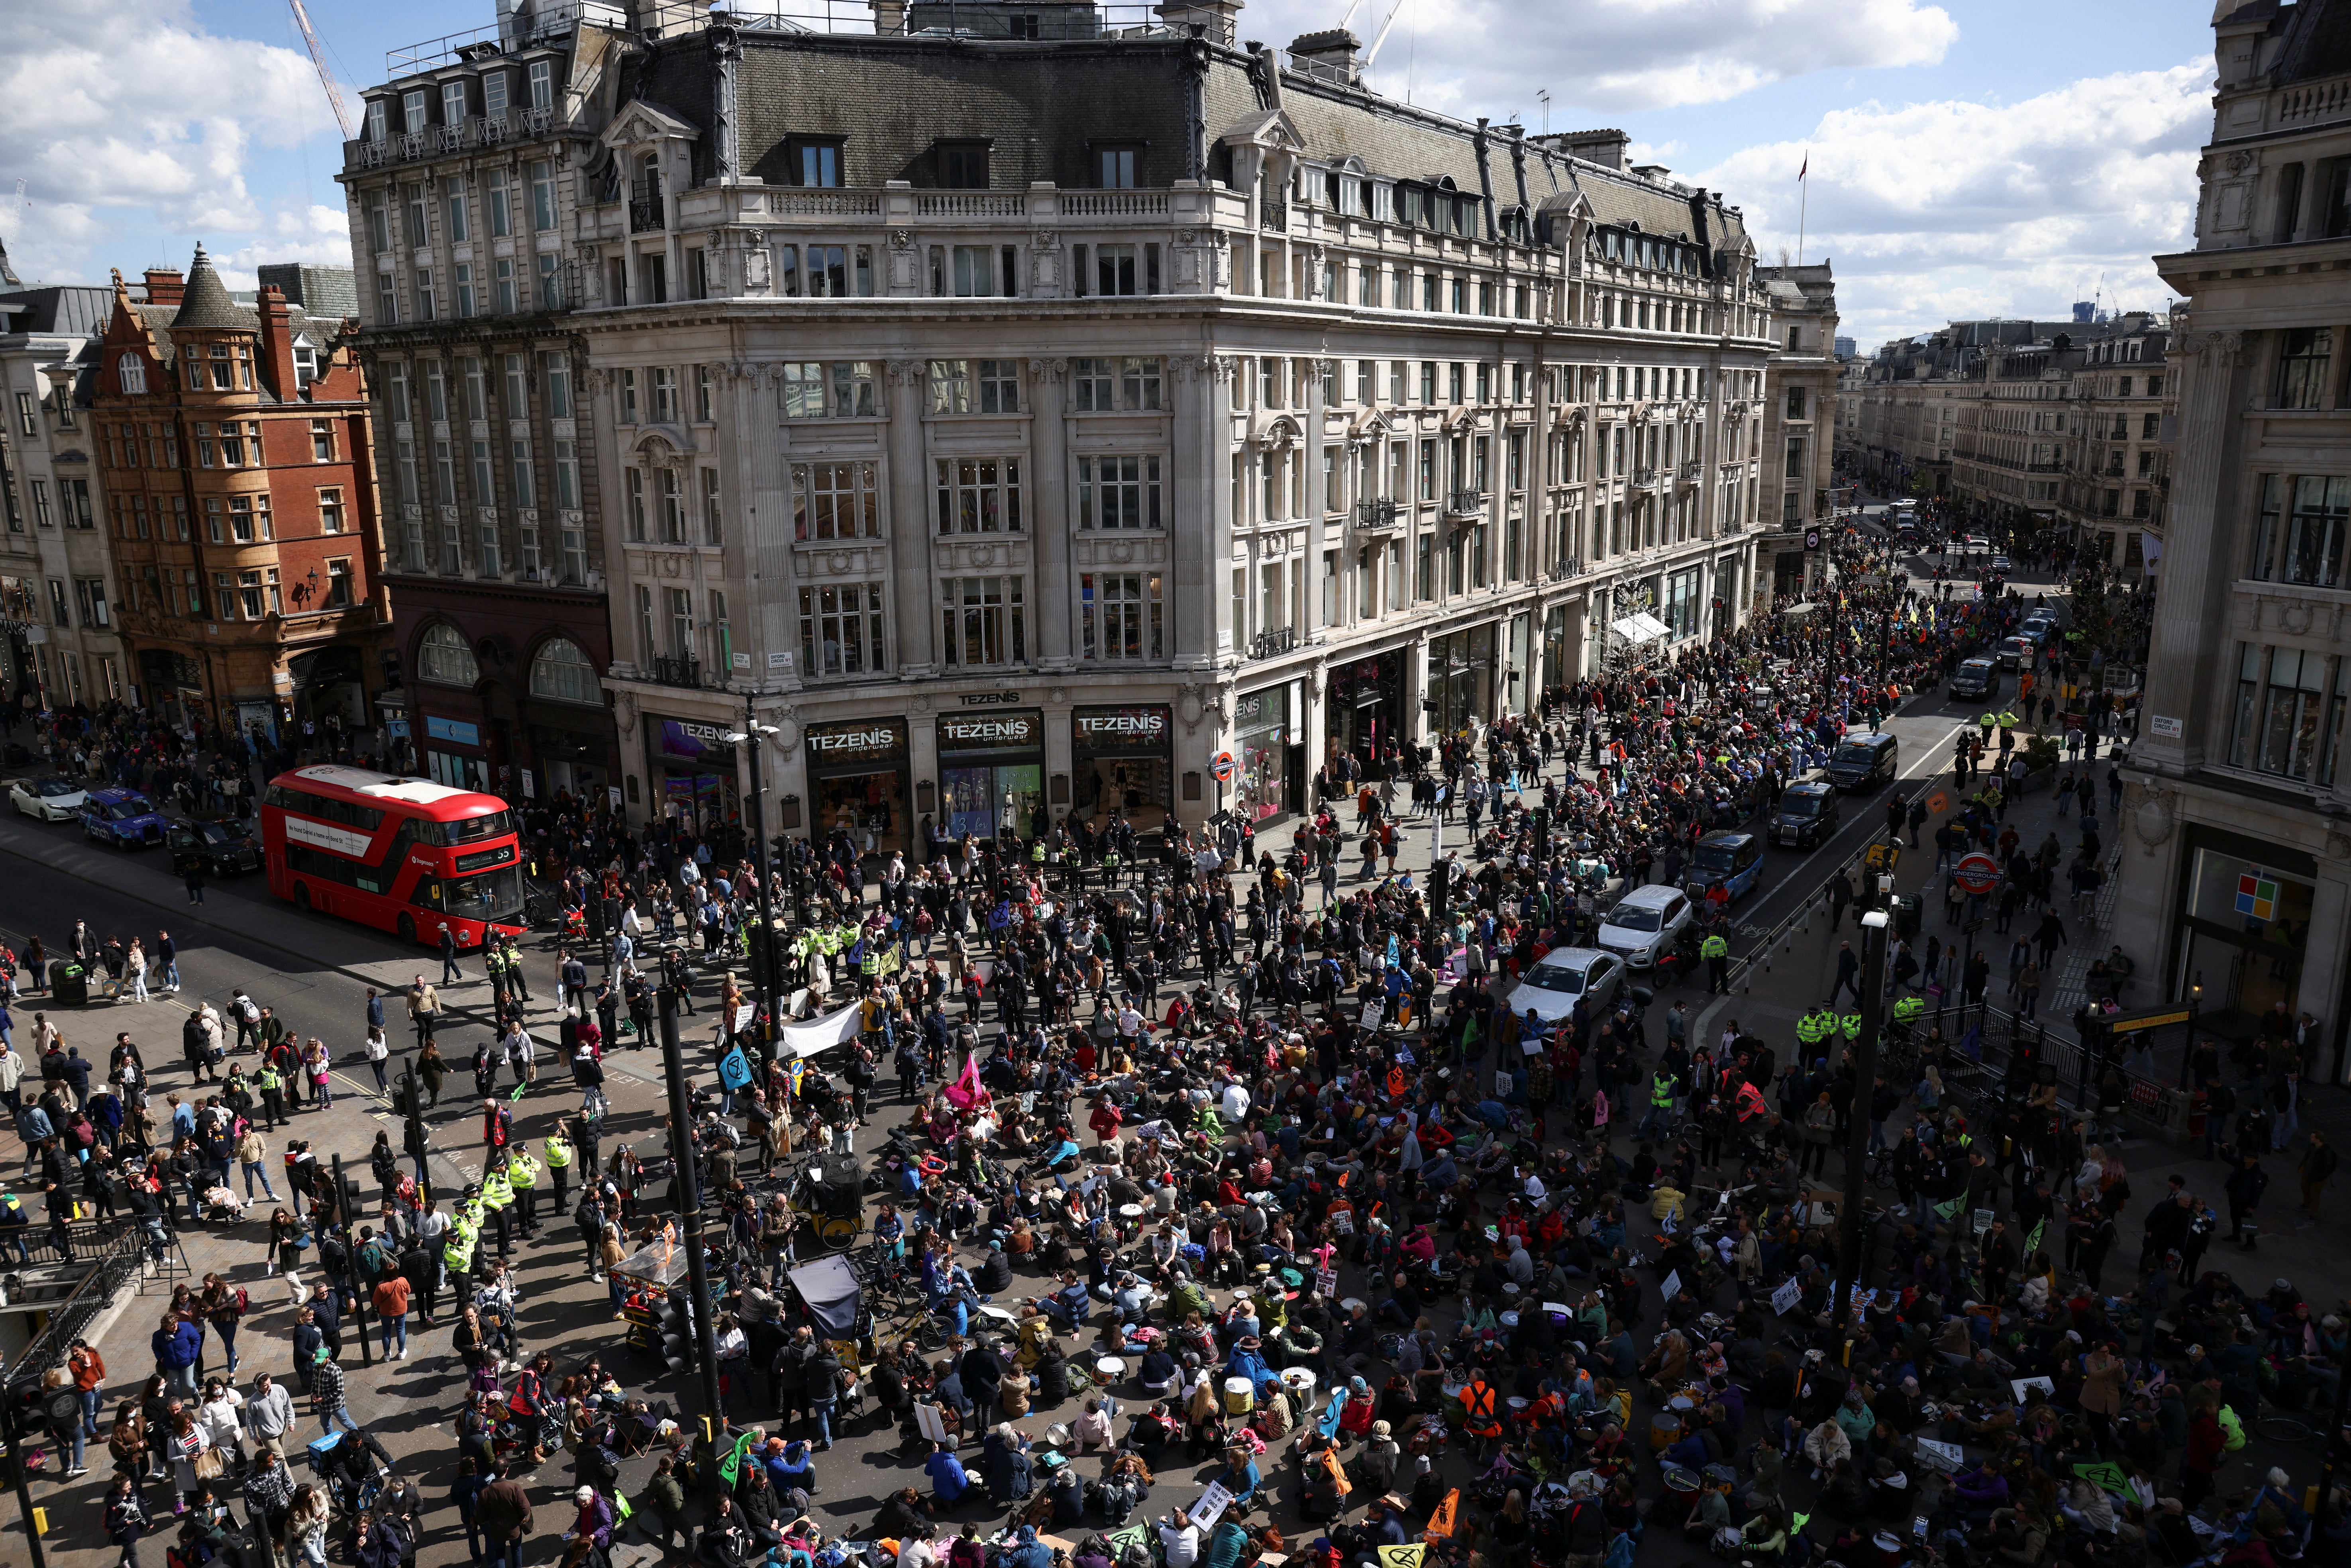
[980, 494]
[2280, 710]
[841, 629]
[1119, 493]
[442, 656]
[834, 501]
[562, 671]
[984, 622]
[1120, 614]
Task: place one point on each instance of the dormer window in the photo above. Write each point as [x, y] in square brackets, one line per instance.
[493, 94]
[376, 115]
[453, 103]
[542, 84]
[131, 374]
[1115, 167]
[815, 162]
[412, 110]
[963, 165]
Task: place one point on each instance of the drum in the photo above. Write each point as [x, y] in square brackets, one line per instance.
[1665, 1431]
[1240, 1396]
[1301, 1381]
[1889, 1549]
[1130, 1212]
[1518, 1403]
[1109, 1370]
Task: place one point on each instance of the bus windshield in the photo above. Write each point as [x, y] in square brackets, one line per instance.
[493, 897]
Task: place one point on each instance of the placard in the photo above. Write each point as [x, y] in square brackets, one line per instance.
[1947, 1458]
[1342, 1221]
[1672, 1285]
[1374, 1011]
[1790, 1293]
[2021, 1384]
[1211, 1506]
[1326, 1283]
[931, 1423]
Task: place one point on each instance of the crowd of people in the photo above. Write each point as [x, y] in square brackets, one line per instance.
[1214, 1156]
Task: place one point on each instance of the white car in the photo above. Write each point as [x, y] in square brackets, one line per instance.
[1564, 976]
[1644, 923]
[50, 800]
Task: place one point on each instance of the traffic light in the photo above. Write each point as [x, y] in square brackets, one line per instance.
[677, 1331]
[1542, 834]
[1440, 888]
[765, 981]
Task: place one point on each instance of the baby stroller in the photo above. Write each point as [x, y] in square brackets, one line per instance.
[353, 1465]
[221, 1205]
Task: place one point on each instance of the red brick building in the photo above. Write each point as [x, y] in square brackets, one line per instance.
[237, 470]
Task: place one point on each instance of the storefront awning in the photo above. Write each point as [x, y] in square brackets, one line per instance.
[1641, 627]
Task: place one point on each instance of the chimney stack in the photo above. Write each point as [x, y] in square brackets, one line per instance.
[1334, 55]
[275, 352]
[166, 285]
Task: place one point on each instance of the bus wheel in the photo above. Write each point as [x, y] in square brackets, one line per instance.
[407, 929]
[302, 895]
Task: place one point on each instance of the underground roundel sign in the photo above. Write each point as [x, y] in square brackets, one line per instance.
[1220, 767]
[1977, 873]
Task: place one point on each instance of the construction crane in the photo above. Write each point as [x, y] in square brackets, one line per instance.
[326, 76]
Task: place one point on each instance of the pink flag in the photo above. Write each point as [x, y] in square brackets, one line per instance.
[964, 1091]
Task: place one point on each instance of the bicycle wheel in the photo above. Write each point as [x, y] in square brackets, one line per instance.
[2284, 1429]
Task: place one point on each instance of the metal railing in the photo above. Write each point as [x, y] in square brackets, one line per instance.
[1465, 502]
[1273, 216]
[676, 670]
[1377, 512]
[647, 214]
[1562, 570]
[1273, 643]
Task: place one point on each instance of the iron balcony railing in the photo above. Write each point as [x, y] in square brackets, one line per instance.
[677, 670]
[1465, 502]
[1377, 512]
[1271, 645]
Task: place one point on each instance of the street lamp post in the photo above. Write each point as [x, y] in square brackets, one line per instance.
[763, 972]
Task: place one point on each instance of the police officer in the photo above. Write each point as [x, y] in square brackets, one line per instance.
[497, 1197]
[272, 1084]
[1716, 954]
[522, 1176]
[457, 1251]
[557, 1149]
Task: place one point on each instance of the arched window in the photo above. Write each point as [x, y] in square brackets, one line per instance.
[562, 672]
[443, 657]
[132, 371]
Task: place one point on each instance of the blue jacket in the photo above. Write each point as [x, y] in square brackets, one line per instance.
[947, 1477]
[178, 1348]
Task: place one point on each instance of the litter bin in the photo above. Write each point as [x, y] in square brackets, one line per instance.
[68, 984]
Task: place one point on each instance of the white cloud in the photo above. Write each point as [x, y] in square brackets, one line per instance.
[1956, 208]
[318, 235]
[1606, 57]
[134, 108]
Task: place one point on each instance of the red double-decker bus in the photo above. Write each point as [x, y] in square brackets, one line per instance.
[404, 855]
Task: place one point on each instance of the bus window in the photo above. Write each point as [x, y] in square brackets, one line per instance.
[428, 894]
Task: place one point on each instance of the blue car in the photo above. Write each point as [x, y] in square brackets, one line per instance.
[1735, 859]
[123, 818]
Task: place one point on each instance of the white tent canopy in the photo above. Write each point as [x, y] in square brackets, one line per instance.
[1641, 627]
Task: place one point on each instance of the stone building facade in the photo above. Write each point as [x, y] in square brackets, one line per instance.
[1108, 417]
[1799, 441]
[2119, 486]
[59, 643]
[235, 446]
[462, 189]
[2236, 858]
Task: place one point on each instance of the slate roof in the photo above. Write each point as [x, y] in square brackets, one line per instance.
[207, 304]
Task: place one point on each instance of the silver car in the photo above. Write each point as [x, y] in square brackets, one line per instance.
[1565, 975]
[50, 800]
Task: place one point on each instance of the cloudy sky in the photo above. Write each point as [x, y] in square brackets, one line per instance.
[1972, 157]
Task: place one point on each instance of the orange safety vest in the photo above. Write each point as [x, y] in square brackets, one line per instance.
[1478, 1409]
[1750, 1101]
[1396, 1084]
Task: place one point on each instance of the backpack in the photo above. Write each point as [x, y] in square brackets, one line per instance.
[246, 1010]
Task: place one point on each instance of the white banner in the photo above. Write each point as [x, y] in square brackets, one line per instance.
[1672, 1287]
[1211, 1506]
[818, 1034]
[1790, 1293]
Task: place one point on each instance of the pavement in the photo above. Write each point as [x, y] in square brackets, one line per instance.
[313, 970]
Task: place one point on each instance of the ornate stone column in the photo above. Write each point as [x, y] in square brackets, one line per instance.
[911, 605]
[2190, 614]
[1050, 517]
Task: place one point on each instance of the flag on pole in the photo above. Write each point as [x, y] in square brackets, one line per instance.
[1808, 164]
